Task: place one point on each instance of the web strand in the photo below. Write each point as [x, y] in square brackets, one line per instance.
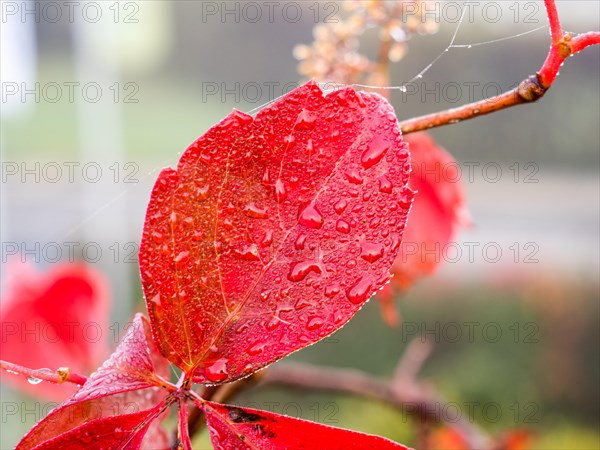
[330, 86]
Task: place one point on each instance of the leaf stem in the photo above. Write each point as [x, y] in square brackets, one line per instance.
[563, 46]
[61, 375]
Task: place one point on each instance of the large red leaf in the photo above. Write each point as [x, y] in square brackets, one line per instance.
[236, 428]
[274, 230]
[125, 394]
[438, 210]
[54, 319]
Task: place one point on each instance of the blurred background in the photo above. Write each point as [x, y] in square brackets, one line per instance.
[99, 96]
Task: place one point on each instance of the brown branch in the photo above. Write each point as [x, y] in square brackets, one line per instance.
[529, 90]
[408, 367]
[61, 375]
[409, 398]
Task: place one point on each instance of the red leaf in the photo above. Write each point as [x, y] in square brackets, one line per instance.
[438, 210]
[116, 432]
[127, 387]
[274, 230]
[237, 428]
[54, 319]
[446, 438]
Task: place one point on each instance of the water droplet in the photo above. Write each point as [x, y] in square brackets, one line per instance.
[118, 433]
[385, 185]
[202, 192]
[358, 293]
[33, 380]
[242, 117]
[156, 299]
[395, 242]
[338, 316]
[255, 212]
[310, 216]
[332, 290]
[268, 239]
[256, 348]
[273, 323]
[86, 437]
[306, 120]
[280, 192]
[242, 328]
[314, 323]
[376, 150]
[300, 241]
[353, 175]
[375, 221]
[158, 237]
[340, 206]
[342, 226]
[309, 145]
[302, 303]
[173, 217]
[217, 371]
[300, 270]
[264, 295]
[405, 201]
[266, 179]
[371, 252]
[248, 252]
[182, 258]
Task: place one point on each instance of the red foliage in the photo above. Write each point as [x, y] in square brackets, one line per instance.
[52, 320]
[117, 403]
[438, 211]
[262, 429]
[274, 230]
[270, 235]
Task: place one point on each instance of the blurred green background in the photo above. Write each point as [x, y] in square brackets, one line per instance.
[157, 64]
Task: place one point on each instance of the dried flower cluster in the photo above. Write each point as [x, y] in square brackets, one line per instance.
[334, 55]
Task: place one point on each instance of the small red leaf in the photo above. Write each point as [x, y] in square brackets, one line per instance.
[52, 320]
[274, 230]
[128, 386]
[116, 432]
[237, 428]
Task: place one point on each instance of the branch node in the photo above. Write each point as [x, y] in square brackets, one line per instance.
[564, 46]
[63, 373]
[531, 89]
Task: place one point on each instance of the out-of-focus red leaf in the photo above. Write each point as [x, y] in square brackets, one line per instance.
[438, 211]
[446, 438]
[274, 230]
[516, 439]
[236, 428]
[127, 388]
[54, 319]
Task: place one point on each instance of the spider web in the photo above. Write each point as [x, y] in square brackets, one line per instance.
[330, 87]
